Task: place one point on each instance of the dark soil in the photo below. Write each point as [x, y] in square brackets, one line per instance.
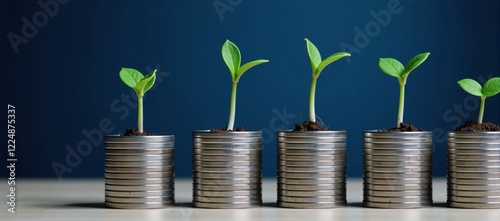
[220, 129]
[135, 132]
[309, 126]
[403, 127]
[478, 127]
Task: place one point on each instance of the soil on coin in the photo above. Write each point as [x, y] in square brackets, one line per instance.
[478, 127]
[135, 132]
[309, 126]
[220, 129]
[403, 127]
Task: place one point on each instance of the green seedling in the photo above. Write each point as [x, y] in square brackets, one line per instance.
[318, 65]
[394, 68]
[141, 84]
[232, 57]
[490, 88]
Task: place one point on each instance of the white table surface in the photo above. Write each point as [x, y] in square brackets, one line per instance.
[83, 199]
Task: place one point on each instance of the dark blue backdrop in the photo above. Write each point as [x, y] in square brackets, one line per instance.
[63, 76]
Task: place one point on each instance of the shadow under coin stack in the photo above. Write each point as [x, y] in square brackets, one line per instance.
[397, 169]
[139, 172]
[227, 169]
[474, 170]
[311, 169]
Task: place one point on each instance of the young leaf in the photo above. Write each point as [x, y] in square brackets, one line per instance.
[247, 66]
[491, 87]
[471, 87]
[145, 84]
[331, 59]
[391, 67]
[314, 54]
[415, 62]
[130, 76]
[232, 57]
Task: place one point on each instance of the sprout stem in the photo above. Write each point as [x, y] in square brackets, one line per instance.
[481, 110]
[401, 104]
[232, 109]
[312, 95]
[140, 119]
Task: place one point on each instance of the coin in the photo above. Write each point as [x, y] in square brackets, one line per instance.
[139, 169]
[398, 193]
[494, 205]
[304, 193]
[147, 187]
[206, 187]
[140, 205]
[402, 205]
[396, 187]
[226, 175]
[312, 175]
[226, 193]
[231, 163]
[312, 169]
[315, 205]
[311, 181]
[227, 169]
[232, 199]
[138, 182]
[169, 192]
[139, 175]
[227, 181]
[330, 186]
[311, 163]
[396, 181]
[237, 205]
[205, 158]
[148, 199]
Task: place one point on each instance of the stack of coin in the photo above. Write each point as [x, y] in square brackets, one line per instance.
[311, 169]
[227, 169]
[139, 171]
[397, 169]
[474, 170]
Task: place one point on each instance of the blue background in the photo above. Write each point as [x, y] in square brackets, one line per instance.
[65, 78]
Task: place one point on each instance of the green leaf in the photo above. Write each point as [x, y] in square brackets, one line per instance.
[249, 65]
[331, 59]
[471, 86]
[130, 76]
[415, 62]
[491, 87]
[314, 54]
[391, 67]
[232, 57]
[143, 85]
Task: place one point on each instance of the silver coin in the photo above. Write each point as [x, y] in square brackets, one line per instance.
[468, 193]
[468, 205]
[397, 187]
[237, 205]
[461, 199]
[139, 139]
[397, 181]
[149, 157]
[148, 199]
[226, 169]
[303, 193]
[312, 175]
[401, 141]
[332, 186]
[402, 205]
[399, 158]
[228, 152]
[397, 152]
[474, 145]
[147, 187]
[135, 146]
[226, 141]
[142, 151]
[139, 193]
[139, 169]
[227, 175]
[227, 144]
[139, 176]
[226, 163]
[318, 157]
[205, 187]
[253, 158]
[392, 175]
[396, 163]
[398, 199]
[326, 199]
[233, 199]
[155, 205]
[317, 205]
[463, 187]
[474, 163]
[473, 158]
[475, 152]
[311, 152]
[135, 182]
[473, 169]
[228, 181]
[474, 181]
[226, 193]
[311, 163]
[110, 164]
[407, 145]
[474, 175]
[312, 169]
[397, 169]
[312, 142]
[399, 193]
[311, 181]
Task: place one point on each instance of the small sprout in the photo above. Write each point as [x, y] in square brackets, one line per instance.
[232, 57]
[141, 84]
[490, 88]
[318, 65]
[394, 68]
